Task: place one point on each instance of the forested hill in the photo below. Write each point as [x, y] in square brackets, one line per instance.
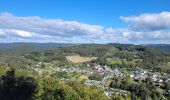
[29, 47]
[22, 48]
[121, 55]
[163, 47]
[40, 45]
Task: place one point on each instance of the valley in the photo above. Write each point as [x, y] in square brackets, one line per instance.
[112, 68]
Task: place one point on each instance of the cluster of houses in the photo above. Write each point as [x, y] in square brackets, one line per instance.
[107, 73]
[78, 70]
[103, 70]
[139, 75]
[93, 83]
[111, 91]
[155, 77]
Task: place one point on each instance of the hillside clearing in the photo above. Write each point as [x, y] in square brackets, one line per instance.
[79, 59]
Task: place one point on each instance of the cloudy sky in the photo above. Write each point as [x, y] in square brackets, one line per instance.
[85, 21]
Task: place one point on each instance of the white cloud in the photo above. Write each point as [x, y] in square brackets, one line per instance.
[143, 28]
[49, 29]
[16, 33]
[148, 27]
[149, 22]
[52, 27]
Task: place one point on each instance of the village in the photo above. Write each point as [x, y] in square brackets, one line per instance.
[107, 74]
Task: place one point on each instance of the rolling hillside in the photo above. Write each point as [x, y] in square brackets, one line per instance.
[163, 47]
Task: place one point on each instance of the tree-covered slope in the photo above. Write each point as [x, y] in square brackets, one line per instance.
[163, 47]
[114, 55]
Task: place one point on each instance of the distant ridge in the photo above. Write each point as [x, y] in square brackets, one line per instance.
[162, 47]
[22, 48]
[40, 45]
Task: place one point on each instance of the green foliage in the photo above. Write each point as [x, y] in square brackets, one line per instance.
[167, 86]
[130, 56]
[143, 90]
[16, 88]
[86, 92]
[3, 70]
[114, 62]
[14, 61]
[19, 87]
[97, 77]
[54, 90]
[61, 75]
[66, 93]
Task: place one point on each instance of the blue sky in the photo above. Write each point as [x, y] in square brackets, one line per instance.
[85, 21]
